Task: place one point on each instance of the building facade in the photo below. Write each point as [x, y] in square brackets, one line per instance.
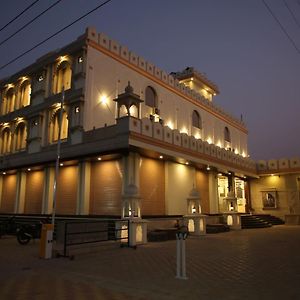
[124, 122]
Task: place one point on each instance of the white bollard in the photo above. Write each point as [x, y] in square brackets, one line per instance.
[180, 254]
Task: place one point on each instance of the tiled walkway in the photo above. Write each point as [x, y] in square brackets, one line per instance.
[247, 264]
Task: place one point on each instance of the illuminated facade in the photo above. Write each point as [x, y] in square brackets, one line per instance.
[125, 122]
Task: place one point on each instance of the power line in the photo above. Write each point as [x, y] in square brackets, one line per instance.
[19, 15]
[281, 26]
[292, 14]
[28, 23]
[54, 34]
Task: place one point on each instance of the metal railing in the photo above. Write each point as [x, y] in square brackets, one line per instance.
[77, 233]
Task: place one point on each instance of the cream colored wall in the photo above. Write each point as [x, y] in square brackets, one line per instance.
[287, 194]
[108, 77]
[179, 182]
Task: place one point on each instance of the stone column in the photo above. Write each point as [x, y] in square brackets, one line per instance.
[83, 193]
[131, 167]
[48, 190]
[20, 193]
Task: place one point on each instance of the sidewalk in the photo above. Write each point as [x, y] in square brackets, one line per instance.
[246, 264]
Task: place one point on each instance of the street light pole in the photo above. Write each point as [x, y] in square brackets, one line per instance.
[57, 157]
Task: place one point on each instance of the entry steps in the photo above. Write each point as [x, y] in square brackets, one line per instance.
[260, 221]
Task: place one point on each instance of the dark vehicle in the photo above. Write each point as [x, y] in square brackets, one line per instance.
[26, 232]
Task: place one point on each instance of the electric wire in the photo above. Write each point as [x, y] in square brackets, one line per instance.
[28, 23]
[292, 14]
[281, 26]
[54, 34]
[19, 15]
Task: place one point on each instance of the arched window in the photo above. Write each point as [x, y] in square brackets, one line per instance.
[227, 135]
[151, 97]
[9, 101]
[62, 78]
[5, 141]
[23, 98]
[227, 138]
[20, 137]
[196, 120]
[54, 126]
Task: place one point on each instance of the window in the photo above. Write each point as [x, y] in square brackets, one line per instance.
[54, 126]
[196, 120]
[62, 78]
[24, 94]
[20, 137]
[151, 97]
[227, 138]
[9, 101]
[5, 141]
[227, 135]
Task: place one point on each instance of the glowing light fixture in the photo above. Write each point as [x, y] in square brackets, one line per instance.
[208, 168]
[187, 163]
[99, 158]
[103, 99]
[4, 173]
[61, 164]
[170, 125]
[209, 140]
[28, 169]
[161, 157]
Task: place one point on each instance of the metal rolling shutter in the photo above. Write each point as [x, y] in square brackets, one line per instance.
[152, 187]
[67, 190]
[34, 192]
[106, 188]
[8, 193]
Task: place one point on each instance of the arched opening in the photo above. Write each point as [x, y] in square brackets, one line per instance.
[9, 102]
[23, 98]
[5, 141]
[151, 97]
[20, 137]
[196, 120]
[133, 111]
[123, 111]
[227, 138]
[62, 78]
[54, 126]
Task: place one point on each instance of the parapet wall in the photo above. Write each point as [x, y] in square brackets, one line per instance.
[278, 165]
[139, 62]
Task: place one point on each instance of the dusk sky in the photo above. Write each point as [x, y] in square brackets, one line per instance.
[237, 43]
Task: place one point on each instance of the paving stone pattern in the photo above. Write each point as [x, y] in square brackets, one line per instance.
[247, 264]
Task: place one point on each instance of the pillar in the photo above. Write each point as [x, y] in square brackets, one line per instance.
[213, 192]
[83, 193]
[131, 165]
[20, 193]
[48, 190]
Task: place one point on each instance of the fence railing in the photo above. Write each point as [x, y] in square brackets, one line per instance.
[79, 232]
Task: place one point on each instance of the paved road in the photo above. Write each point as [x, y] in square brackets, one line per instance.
[246, 264]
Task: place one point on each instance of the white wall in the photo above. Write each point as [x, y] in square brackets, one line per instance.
[106, 76]
[179, 183]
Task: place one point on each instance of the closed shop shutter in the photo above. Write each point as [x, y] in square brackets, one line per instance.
[34, 192]
[67, 190]
[152, 187]
[9, 190]
[202, 187]
[106, 188]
